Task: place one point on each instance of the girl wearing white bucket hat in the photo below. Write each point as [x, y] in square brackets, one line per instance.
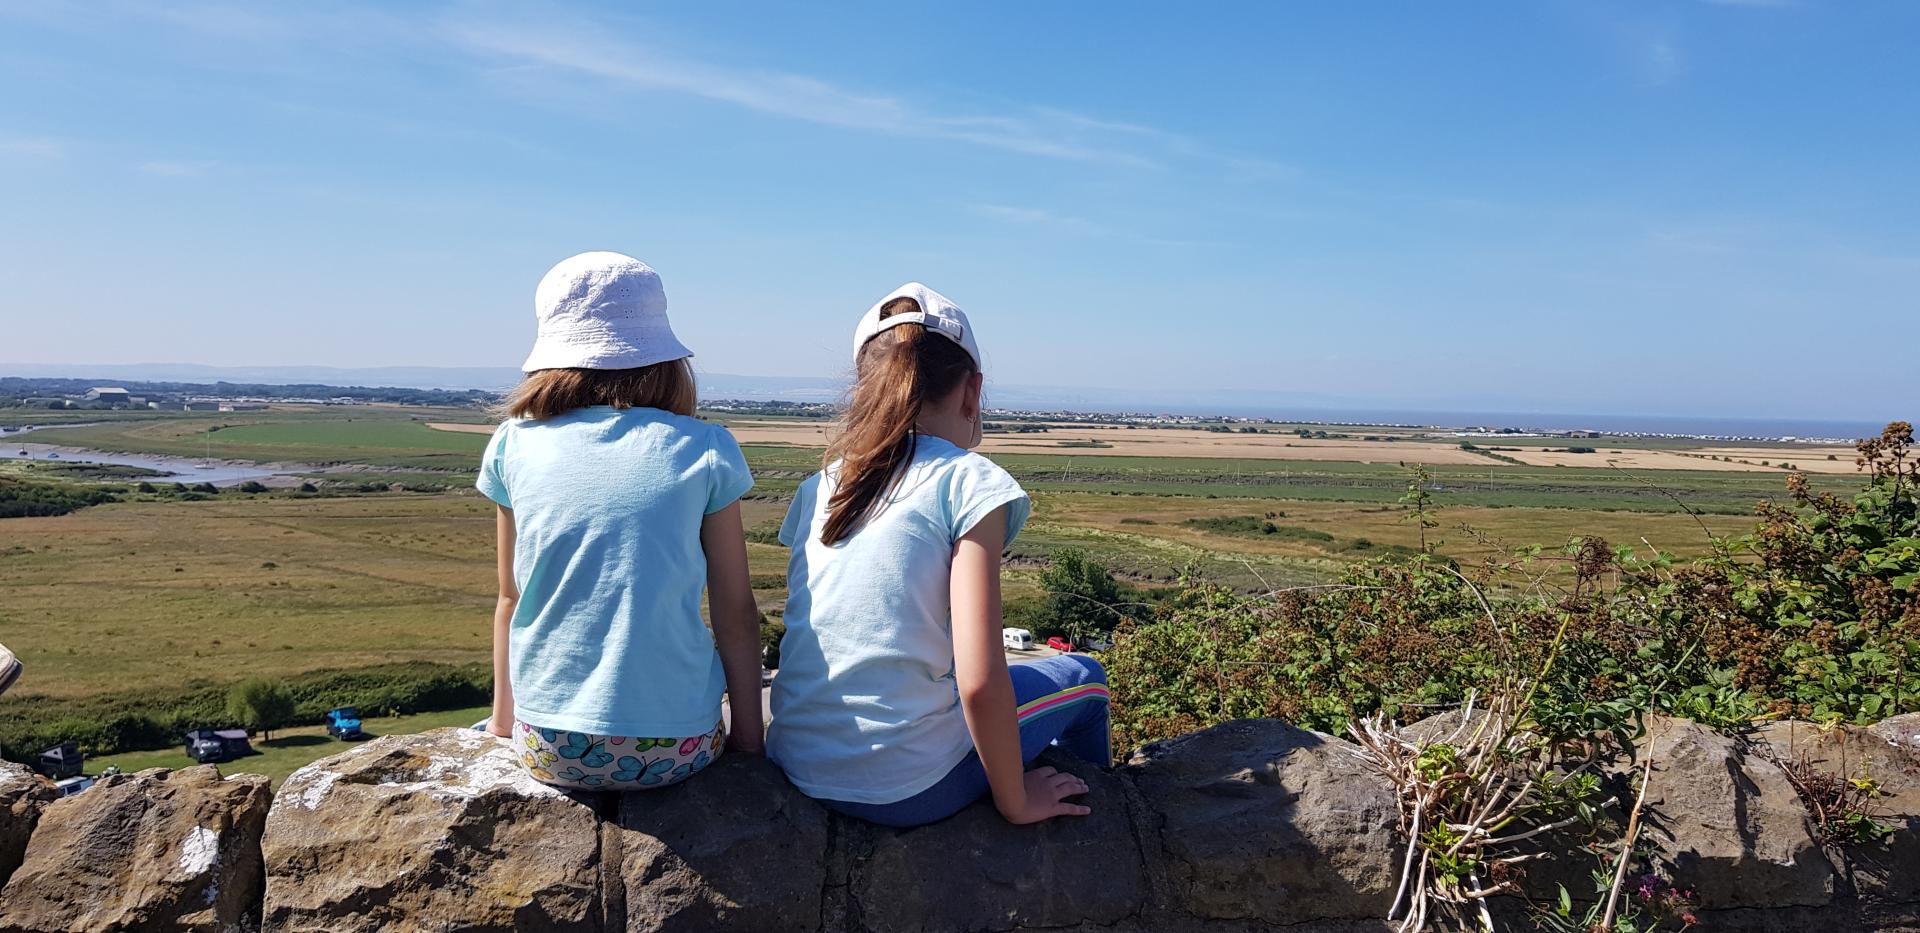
[616, 508]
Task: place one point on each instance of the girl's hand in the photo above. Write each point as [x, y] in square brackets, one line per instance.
[499, 727]
[740, 743]
[1047, 793]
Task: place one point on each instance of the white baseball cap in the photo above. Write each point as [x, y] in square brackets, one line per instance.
[937, 313]
[602, 310]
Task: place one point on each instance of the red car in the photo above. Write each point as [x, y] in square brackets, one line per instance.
[1060, 644]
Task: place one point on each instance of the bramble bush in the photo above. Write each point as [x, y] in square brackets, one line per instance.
[1815, 614]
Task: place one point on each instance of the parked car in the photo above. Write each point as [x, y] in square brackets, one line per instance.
[1018, 639]
[344, 724]
[67, 787]
[1060, 644]
[212, 746]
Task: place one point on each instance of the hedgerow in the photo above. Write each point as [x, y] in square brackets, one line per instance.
[105, 725]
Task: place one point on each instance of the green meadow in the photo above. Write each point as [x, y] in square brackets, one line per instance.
[157, 593]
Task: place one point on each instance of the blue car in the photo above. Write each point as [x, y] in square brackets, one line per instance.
[344, 724]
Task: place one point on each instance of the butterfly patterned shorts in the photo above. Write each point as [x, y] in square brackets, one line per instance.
[579, 761]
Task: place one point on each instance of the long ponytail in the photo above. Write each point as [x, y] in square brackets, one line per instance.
[897, 373]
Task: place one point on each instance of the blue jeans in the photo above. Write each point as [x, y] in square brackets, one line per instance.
[1062, 700]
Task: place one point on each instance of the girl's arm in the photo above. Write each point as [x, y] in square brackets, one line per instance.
[502, 722]
[736, 624]
[986, 691]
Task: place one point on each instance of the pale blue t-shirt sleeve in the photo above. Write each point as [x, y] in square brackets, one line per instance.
[975, 488]
[492, 481]
[799, 521]
[729, 477]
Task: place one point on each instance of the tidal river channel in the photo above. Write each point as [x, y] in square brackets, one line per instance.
[174, 469]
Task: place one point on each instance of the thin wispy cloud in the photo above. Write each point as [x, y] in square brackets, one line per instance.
[36, 148]
[1044, 132]
[173, 169]
[590, 50]
[1035, 217]
[1658, 59]
[1067, 225]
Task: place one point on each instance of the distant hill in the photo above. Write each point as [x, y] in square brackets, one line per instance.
[488, 378]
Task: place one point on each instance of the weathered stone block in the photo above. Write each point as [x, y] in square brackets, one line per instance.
[1263, 821]
[436, 831]
[735, 847]
[23, 795]
[1890, 870]
[158, 850]
[1730, 824]
[976, 871]
[1903, 730]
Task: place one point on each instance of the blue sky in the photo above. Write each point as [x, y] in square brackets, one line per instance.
[1659, 207]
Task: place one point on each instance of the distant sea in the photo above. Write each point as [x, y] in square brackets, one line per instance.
[1280, 406]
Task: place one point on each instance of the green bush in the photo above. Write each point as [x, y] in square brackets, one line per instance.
[1082, 598]
[1253, 526]
[771, 632]
[20, 498]
[260, 705]
[764, 533]
[1816, 614]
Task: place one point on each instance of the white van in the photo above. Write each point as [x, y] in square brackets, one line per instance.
[73, 785]
[1018, 639]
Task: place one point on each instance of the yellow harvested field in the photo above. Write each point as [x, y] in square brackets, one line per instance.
[1067, 440]
[1150, 442]
[1760, 460]
[460, 427]
[1808, 459]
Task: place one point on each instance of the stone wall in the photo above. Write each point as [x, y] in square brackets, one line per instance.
[1251, 825]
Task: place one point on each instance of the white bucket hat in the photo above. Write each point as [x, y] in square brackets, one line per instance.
[937, 313]
[602, 310]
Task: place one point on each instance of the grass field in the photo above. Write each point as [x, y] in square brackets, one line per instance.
[380, 436]
[1361, 445]
[290, 749]
[120, 597]
[159, 593]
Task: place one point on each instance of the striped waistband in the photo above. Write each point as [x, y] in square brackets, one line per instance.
[1053, 701]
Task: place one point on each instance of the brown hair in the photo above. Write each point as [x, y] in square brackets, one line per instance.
[547, 393]
[897, 372]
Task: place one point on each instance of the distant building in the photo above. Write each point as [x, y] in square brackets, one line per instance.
[112, 395]
[200, 406]
[243, 406]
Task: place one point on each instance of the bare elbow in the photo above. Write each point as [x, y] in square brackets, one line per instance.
[974, 692]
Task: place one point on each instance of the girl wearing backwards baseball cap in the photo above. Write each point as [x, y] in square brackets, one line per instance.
[617, 508]
[894, 701]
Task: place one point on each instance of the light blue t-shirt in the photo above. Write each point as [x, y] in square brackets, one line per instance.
[607, 505]
[865, 708]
